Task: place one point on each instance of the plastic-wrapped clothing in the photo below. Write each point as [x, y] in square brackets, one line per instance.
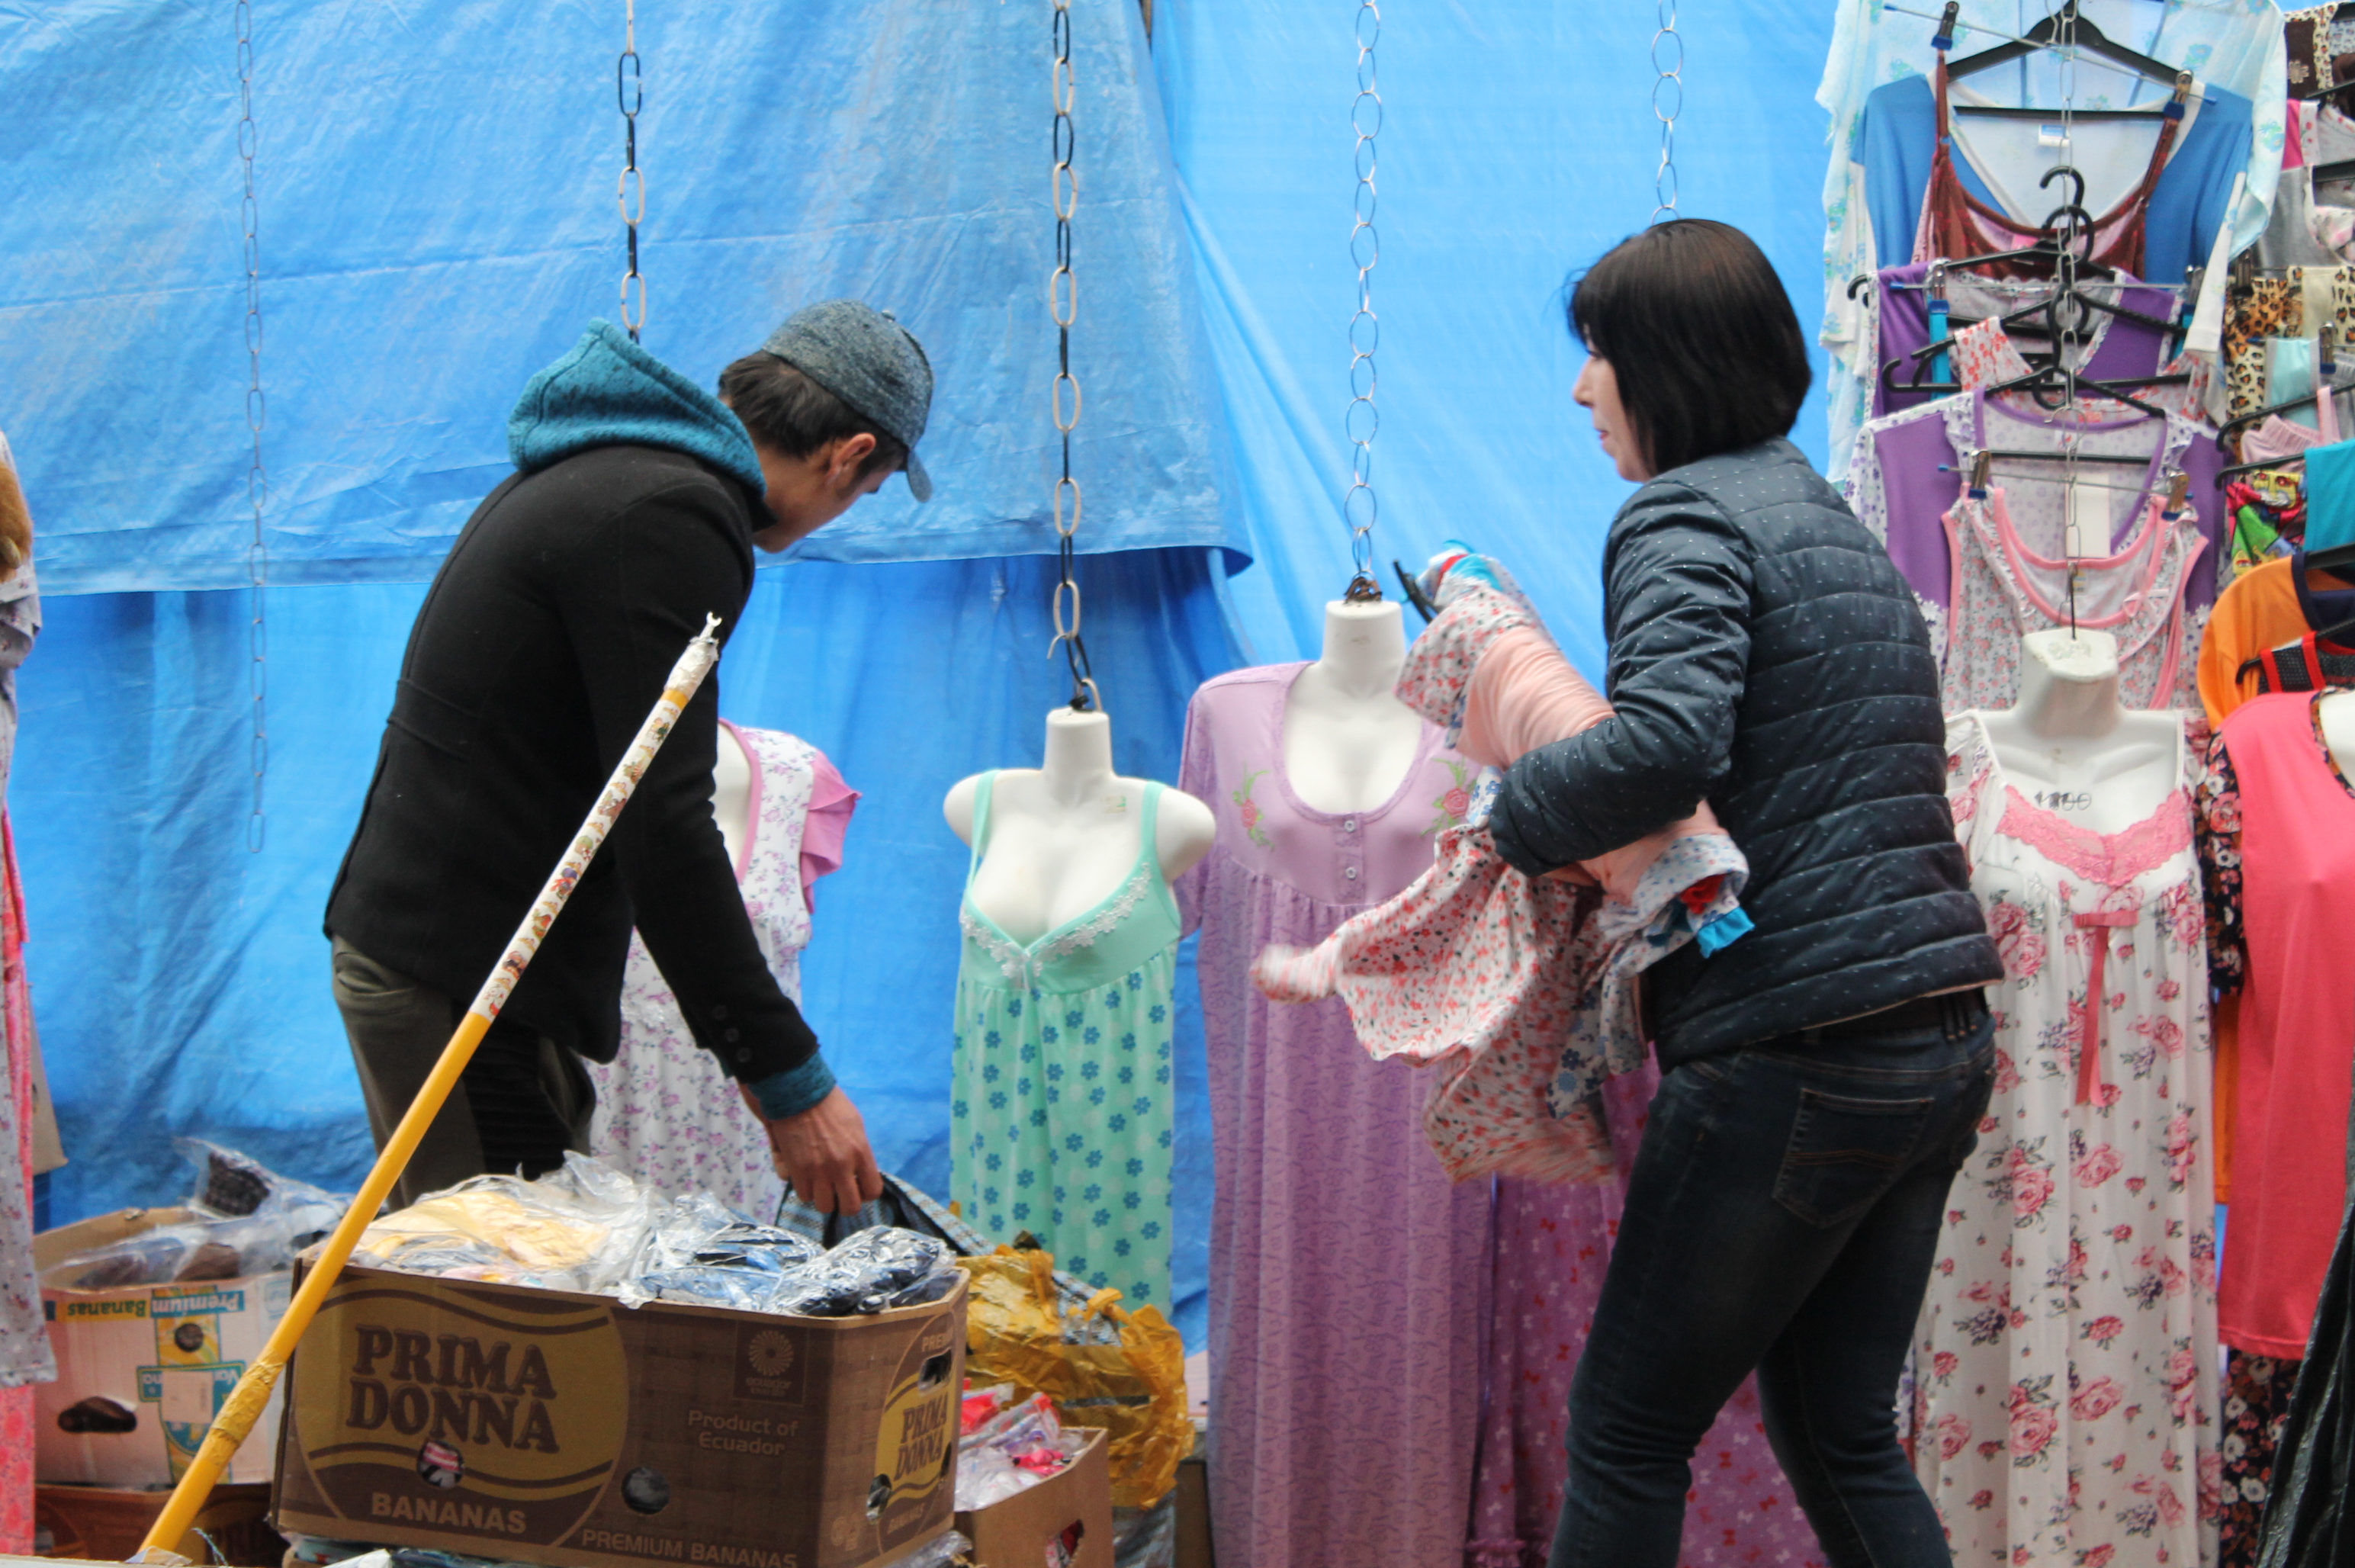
[873, 1271]
[244, 1219]
[2310, 1522]
[583, 1224]
[1498, 977]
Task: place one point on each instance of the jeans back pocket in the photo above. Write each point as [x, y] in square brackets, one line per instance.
[1845, 1153]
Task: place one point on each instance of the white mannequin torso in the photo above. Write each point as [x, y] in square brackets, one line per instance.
[732, 795]
[1348, 739]
[2335, 712]
[1063, 837]
[2071, 748]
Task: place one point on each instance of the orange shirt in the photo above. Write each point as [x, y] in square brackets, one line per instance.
[2257, 613]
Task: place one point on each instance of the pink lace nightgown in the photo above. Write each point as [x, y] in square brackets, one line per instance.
[665, 1112]
[2065, 1400]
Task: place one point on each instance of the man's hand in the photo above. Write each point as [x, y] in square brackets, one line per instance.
[823, 1153]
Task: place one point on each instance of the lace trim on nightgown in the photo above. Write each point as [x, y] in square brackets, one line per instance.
[2113, 860]
[1019, 964]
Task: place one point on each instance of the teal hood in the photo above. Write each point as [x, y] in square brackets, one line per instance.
[608, 391]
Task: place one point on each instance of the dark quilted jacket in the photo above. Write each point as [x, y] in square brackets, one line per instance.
[1766, 656]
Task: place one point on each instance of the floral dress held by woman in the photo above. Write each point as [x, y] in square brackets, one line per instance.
[2065, 1402]
[665, 1112]
[1062, 1110]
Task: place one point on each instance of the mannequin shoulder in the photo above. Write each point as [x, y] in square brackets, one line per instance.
[1184, 829]
[958, 805]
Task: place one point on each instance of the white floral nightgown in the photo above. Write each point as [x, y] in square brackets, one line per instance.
[2065, 1402]
[665, 1112]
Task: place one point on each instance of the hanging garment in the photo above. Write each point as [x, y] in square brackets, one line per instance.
[1956, 223]
[2114, 347]
[666, 1113]
[1494, 979]
[2269, 605]
[2311, 216]
[1062, 1109]
[1909, 469]
[2007, 585]
[2258, 1390]
[25, 1356]
[2309, 663]
[2066, 1382]
[2281, 890]
[1336, 1240]
[1552, 1249]
[1877, 87]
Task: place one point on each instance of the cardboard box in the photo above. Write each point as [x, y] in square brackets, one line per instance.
[1064, 1522]
[1194, 1548]
[546, 1427]
[107, 1524]
[141, 1370]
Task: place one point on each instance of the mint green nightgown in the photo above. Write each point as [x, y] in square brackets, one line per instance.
[1063, 1103]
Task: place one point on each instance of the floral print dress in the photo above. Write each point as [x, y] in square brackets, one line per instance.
[1062, 1112]
[2065, 1400]
[666, 1113]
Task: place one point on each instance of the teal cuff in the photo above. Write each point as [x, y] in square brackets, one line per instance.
[793, 1091]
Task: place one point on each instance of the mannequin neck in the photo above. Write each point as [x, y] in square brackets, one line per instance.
[2069, 685]
[1365, 647]
[1078, 765]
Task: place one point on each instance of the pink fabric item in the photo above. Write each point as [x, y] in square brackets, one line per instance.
[1523, 693]
[2278, 438]
[1474, 950]
[2297, 841]
[831, 804]
[1336, 1240]
[1502, 983]
[28, 1362]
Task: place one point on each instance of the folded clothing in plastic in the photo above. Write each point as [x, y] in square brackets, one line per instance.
[594, 1229]
[243, 1218]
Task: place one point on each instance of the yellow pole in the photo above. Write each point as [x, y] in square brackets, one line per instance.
[245, 1403]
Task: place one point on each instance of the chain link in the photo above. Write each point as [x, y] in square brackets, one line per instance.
[1668, 102]
[1063, 307]
[630, 189]
[1362, 421]
[2065, 285]
[257, 409]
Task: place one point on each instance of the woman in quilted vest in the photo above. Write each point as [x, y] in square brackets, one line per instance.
[1824, 1076]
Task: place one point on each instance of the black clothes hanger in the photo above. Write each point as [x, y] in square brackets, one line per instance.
[2048, 34]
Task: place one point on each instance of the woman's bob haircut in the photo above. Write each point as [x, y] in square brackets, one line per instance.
[1694, 323]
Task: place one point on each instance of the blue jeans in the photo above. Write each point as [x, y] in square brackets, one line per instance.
[1783, 1216]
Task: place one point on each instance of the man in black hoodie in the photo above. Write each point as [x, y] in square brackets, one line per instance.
[635, 506]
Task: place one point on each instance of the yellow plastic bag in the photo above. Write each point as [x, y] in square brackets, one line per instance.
[1102, 1364]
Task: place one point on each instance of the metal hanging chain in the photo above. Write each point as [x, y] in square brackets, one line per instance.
[257, 478]
[2064, 282]
[1668, 102]
[1064, 304]
[630, 189]
[1363, 422]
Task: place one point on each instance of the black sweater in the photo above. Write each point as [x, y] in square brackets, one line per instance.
[539, 649]
[1766, 656]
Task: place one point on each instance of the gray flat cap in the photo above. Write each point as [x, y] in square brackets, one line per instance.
[868, 359]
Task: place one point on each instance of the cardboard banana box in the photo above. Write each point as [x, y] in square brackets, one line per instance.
[544, 1426]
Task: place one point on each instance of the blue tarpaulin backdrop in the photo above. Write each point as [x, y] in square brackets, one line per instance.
[437, 221]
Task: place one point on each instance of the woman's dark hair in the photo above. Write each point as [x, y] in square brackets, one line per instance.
[1695, 325]
[785, 410]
